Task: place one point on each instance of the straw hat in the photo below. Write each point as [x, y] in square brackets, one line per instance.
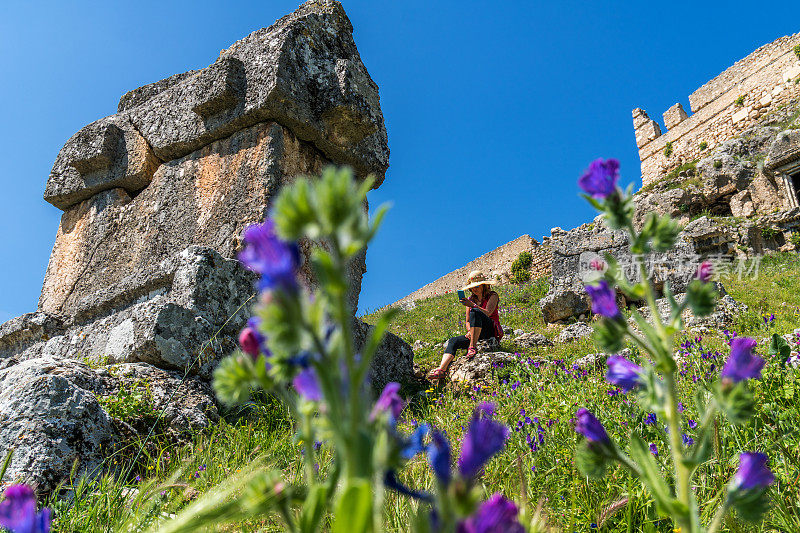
[476, 277]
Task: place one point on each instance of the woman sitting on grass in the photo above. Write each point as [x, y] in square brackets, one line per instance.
[483, 321]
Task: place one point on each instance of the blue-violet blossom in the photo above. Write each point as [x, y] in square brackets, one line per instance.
[742, 364]
[600, 179]
[604, 299]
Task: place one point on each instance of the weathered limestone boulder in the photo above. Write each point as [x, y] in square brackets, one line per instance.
[574, 332]
[724, 175]
[564, 301]
[785, 149]
[574, 251]
[532, 340]
[155, 199]
[673, 202]
[208, 197]
[481, 368]
[182, 313]
[724, 314]
[187, 404]
[393, 361]
[52, 414]
[742, 204]
[50, 420]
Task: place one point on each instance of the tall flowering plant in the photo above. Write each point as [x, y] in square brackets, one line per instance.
[655, 382]
[299, 346]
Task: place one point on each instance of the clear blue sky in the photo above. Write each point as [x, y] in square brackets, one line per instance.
[492, 112]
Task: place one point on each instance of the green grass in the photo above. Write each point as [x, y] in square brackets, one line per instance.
[544, 384]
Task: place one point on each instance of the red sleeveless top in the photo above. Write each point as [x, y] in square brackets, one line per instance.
[495, 316]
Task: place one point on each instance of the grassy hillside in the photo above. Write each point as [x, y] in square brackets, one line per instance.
[536, 400]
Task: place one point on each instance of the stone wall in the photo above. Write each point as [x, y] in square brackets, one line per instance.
[496, 263]
[722, 108]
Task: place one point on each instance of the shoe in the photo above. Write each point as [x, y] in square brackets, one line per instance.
[471, 353]
[436, 373]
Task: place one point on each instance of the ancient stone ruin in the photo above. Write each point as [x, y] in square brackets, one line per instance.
[729, 173]
[142, 284]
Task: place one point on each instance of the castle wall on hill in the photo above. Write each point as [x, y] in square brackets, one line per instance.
[496, 263]
[723, 108]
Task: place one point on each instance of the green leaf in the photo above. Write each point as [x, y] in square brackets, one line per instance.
[750, 504]
[735, 402]
[354, 508]
[779, 347]
[701, 297]
[651, 474]
[234, 378]
[313, 509]
[608, 335]
[591, 462]
[6, 462]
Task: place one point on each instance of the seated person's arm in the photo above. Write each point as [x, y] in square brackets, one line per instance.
[491, 305]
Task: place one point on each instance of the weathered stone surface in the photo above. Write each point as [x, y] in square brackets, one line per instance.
[574, 332]
[141, 95]
[19, 334]
[304, 72]
[532, 339]
[673, 202]
[187, 404]
[52, 415]
[183, 313]
[393, 361]
[785, 149]
[105, 155]
[205, 198]
[50, 419]
[481, 368]
[724, 175]
[564, 301]
[742, 204]
[722, 317]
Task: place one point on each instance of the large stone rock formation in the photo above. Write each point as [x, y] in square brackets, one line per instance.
[143, 273]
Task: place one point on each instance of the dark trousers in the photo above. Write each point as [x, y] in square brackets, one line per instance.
[477, 319]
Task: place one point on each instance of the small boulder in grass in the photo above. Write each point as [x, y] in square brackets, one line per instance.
[532, 340]
[573, 332]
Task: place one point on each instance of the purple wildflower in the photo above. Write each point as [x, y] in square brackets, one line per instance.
[692, 424]
[439, 457]
[591, 428]
[753, 472]
[414, 445]
[742, 364]
[307, 385]
[623, 373]
[389, 401]
[483, 439]
[495, 515]
[687, 440]
[654, 449]
[600, 179]
[18, 511]
[275, 259]
[391, 482]
[604, 299]
[704, 271]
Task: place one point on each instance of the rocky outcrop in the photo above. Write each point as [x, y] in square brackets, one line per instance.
[155, 199]
[574, 332]
[481, 368]
[183, 313]
[574, 251]
[393, 360]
